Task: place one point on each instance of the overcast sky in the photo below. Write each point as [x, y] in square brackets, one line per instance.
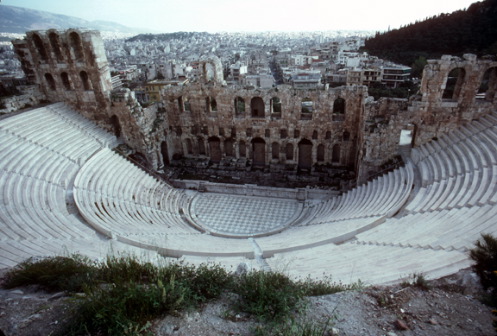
[250, 15]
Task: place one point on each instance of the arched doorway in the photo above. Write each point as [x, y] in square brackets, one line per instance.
[454, 83]
[164, 152]
[258, 152]
[305, 154]
[335, 154]
[215, 149]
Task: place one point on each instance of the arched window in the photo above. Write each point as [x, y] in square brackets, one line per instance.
[239, 106]
[346, 136]
[85, 80]
[320, 153]
[50, 81]
[307, 108]
[289, 151]
[275, 150]
[65, 80]
[488, 85]
[40, 47]
[276, 107]
[77, 48]
[55, 44]
[328, 135]
[257, 107]
[339, 106]
[314, 134]
[335, 154]
[454, 83]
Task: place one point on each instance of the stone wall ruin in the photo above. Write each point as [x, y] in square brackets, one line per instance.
[281, 129]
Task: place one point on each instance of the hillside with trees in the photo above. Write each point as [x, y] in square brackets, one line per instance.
[473, 30]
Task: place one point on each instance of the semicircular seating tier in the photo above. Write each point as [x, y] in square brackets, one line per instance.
[64, 189]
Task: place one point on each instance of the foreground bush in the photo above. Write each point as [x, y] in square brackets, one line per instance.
[120, 295]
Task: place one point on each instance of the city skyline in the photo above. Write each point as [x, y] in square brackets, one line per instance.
[255, 16]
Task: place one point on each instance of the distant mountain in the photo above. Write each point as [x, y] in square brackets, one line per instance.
[19, 20]
[473, 30]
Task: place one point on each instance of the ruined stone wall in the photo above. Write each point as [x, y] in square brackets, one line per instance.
[213, 125]
[69, 66]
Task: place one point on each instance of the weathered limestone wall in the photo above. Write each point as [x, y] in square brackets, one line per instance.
[217, 126]
[69, 66]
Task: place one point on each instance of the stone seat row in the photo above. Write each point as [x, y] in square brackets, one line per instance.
[37, 162]
[382, 196]
[473, 188]
[32, 208]
[445, 229]
[78, 121]
[372, 264]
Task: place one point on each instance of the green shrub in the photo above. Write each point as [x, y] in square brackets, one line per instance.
[126, 269]
[124, 307]
[268, 295]
[71, 274]
[317, 287]
[485, 257]
[293, 328]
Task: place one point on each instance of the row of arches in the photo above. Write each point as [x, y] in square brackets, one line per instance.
[457, 78]
[257, 107]
[304, 153]
[73, 48]
[67, 83]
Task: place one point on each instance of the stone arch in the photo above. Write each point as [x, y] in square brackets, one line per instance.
[339, 106]
[214, 149]
[239, 106]
[66, 81]
[76, 46]
[228, 147]
[211, 69]
[116, 125]
[335, 154]
[454, 83]
[320, 153]
[488, 85]
[258, 152]
[242, 149]
[189, 146]
[289, 151]
[50, 81]
[275, 150]
[40, 47]
[257, 107]
[85, 80]
[53, 37]
[201, 146]
[164, 152]
[305, 155]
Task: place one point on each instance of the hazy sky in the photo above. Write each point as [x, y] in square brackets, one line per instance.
[249, 15]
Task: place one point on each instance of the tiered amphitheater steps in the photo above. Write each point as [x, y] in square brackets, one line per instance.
[41, 154]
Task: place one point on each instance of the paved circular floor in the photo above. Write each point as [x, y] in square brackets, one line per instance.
[242, 216]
